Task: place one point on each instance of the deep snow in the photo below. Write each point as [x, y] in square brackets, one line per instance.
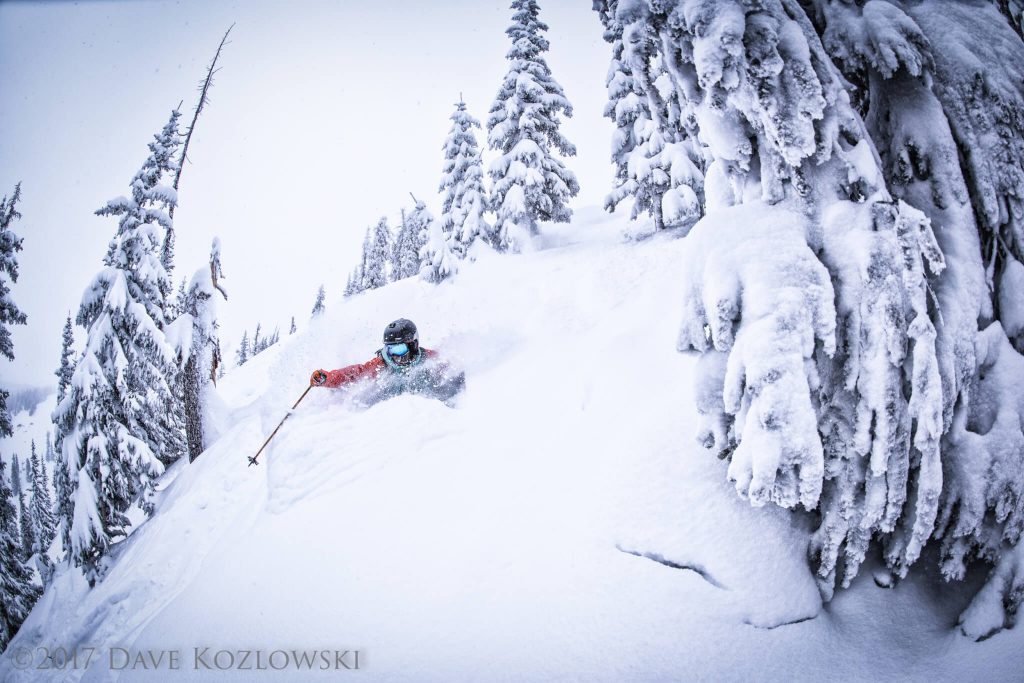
[559, 523]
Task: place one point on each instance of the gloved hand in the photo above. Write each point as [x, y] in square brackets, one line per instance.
[318, 378]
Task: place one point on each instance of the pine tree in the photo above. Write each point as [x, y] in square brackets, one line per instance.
[258, 344]
[242, 355]
[464, 199]
[203, 348]
[18, 592]
[377, 251]
[658, 167]
[28, 537]
[120, 419]
[318, 305]
[292, 328]
[530, 184]
[857, 382]
[10, 245]
[61, 477]
[43, 521]
[437, 260]
[16, 476]
[413, 235]
[354, 280]
[66, 368]
[405, 261]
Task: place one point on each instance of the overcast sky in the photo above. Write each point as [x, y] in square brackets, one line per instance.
[325, 116]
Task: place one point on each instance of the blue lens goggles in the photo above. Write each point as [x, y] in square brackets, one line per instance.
[398, 349]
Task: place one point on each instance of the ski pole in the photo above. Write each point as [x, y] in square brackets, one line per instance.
[252, 459]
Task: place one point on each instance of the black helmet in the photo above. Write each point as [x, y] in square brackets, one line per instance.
[401, 331]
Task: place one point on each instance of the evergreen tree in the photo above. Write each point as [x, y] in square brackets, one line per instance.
[10, 245]
[354, 280]
[438, 261]
[405, 260]
[202, 353]
[43, 521]
[318, 305]
[242, 356]
[292, 328]
[18, 591]
[258, 344]
[412, 238]
[377, 252]
[67, 367]
[28, 537]
[120, 419]
[867, 379]
[530, 184]
[464, 199]
[658, 167]
[16, 477]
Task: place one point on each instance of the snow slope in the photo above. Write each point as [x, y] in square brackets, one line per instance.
[560, 523]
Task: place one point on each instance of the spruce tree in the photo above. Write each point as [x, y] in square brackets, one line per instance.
[377, 251]
[292, 328]
[66, 368]
[18, 592]
[61, 477]
[464, 199]
[530, 184]
[28, 536]
[121, 420]
[16, 477]
[658, 167]
[203, 350]
[243, 354]
[10, 245]
[864, 180]
[258, 344]
[318, 305]
[43, 521]
[412, 238]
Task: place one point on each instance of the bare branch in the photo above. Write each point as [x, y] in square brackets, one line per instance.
[204, 91]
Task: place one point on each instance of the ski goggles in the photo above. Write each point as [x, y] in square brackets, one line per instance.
[397, 349]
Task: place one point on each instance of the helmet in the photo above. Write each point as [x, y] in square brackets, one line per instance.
[401, 343]
[401, 331]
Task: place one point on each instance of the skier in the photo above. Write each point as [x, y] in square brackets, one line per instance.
[400, 366]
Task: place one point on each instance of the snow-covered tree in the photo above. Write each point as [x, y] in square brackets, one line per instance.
[352, 285]
[28, 536]
[437, 260]
[120, 419]
[941, 91]
[200, 348]
[18, 591]
[292, 328]
[16, 477]
[243, 354]
[658, 166]
[835, 286]
[412, 235]
[10, 245]
[463, 198]
[258, 344]
[318, 305]
[67, 366]
[377, 252]
[530, 184]
[41, 509]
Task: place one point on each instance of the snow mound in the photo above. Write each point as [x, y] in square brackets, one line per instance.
[558, 523]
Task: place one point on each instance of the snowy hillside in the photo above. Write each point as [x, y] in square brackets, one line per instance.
[559, 523]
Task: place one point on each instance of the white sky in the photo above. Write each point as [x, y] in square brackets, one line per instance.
[325, 115]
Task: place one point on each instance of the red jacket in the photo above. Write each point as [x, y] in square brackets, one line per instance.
[368, 370]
